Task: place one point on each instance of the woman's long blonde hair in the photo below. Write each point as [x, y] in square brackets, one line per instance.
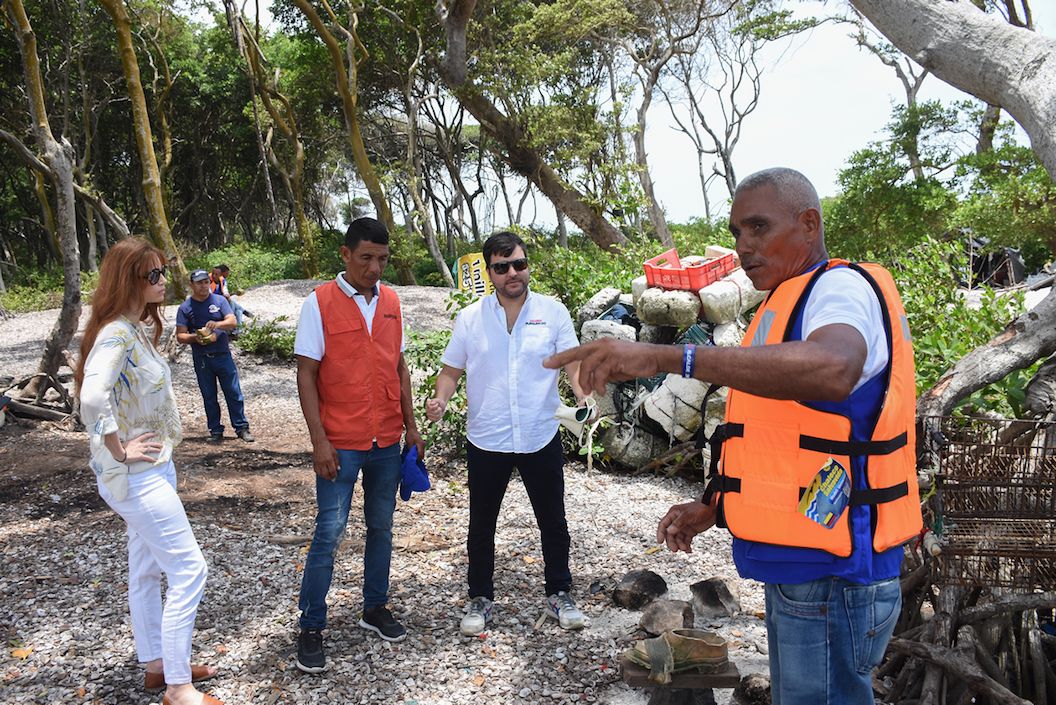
[122, 280]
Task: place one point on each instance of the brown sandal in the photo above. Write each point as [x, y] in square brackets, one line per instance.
[681, 650]
[156, 681]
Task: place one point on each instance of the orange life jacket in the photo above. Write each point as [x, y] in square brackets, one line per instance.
[772, 449]
[359, 381]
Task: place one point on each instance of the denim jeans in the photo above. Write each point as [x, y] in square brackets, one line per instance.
[220, 367]
[381, 478]
[543, 475]
[237, 309]
[825, 638]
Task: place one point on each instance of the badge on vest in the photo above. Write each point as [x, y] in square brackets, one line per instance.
[827, 496]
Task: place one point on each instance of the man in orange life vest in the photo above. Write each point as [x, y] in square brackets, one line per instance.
[817, 482]
[355, 393]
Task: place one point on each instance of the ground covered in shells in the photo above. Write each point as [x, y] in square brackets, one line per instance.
[63, 569]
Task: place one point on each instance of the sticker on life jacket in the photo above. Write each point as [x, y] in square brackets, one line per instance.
[827, 496]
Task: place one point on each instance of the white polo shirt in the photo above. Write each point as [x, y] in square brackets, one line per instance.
[512, 397]
[310, 341]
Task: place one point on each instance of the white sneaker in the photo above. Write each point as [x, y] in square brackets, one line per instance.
[476, 617]
[563, 608]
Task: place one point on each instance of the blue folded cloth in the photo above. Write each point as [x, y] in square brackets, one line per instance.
[414, 477]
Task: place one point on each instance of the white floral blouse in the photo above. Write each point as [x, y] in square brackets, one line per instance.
[127, 389]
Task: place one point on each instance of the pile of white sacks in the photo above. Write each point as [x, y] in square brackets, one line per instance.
[648, 416]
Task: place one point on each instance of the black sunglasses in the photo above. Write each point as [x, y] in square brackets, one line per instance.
[518, 264]
[155, 274]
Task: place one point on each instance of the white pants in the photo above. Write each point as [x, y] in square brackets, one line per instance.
[160, 540]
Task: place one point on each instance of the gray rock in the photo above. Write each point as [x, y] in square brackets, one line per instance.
[754, 689]
[660, 335]
[594, 329]
[638, 287]
[728, 335]
[668, 308]
[598, 304]
[638, 588]
[664, 615]
[631, 446]
[714, 598]
[728, 298]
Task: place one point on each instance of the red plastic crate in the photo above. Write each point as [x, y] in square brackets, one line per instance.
[667, 272]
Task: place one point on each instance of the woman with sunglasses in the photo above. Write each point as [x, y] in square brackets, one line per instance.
[129, 410]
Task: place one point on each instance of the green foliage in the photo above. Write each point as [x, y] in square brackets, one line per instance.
[41, 289]
[423, 353]
[945, 326]
[1010, 199]
[575, 274]
[24, 299]
[251, 263]
[883, 200]
[268, 337]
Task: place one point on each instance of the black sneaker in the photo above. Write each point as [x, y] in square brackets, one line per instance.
[380, 620]
[245, 435]
[310, 656]
[216, 438]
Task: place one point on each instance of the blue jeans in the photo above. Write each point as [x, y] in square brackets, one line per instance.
[381, 478]
[237, 309]
[543, 475]
[825, 638]
[220, 367]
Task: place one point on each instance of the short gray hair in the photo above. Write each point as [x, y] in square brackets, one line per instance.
[794, 191]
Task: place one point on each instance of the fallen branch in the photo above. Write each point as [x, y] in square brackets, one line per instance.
[1012, 603]
[969, 671]
[34, 411]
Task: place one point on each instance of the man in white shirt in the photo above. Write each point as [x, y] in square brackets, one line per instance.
[355, 393]
[501, 341]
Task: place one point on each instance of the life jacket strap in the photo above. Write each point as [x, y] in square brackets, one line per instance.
[827, 445]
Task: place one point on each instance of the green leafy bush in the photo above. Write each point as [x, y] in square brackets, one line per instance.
[945, 326]
[268, 338]
[251, 263]
[422, 354]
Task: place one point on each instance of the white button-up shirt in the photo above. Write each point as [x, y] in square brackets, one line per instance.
[512, 397]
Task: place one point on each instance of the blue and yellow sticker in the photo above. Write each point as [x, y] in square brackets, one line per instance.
[827, 495]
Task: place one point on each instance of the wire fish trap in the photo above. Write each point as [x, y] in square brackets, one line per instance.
[995, 502]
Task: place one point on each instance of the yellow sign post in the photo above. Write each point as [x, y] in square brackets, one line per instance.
[471, 274]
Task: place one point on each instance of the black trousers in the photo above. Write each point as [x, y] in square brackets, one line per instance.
[543, 475]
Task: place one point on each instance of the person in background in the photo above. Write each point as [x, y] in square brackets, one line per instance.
[219, 285]
[355, 393]
[501, 341]
[817, 481]
[129, 411]
[203, 322]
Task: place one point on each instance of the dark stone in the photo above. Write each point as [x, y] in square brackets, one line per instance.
[753, 689]
[713, 598]
[638, 588]
[665, 615]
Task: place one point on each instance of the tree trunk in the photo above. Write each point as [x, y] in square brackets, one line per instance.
[527, 162]
[397, 248]
[286, 122]
[152, 190]
[656, 213]
[980, 54]
[58, 157]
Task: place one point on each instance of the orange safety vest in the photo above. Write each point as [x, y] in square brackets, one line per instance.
[772, 449]
[359, 380]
